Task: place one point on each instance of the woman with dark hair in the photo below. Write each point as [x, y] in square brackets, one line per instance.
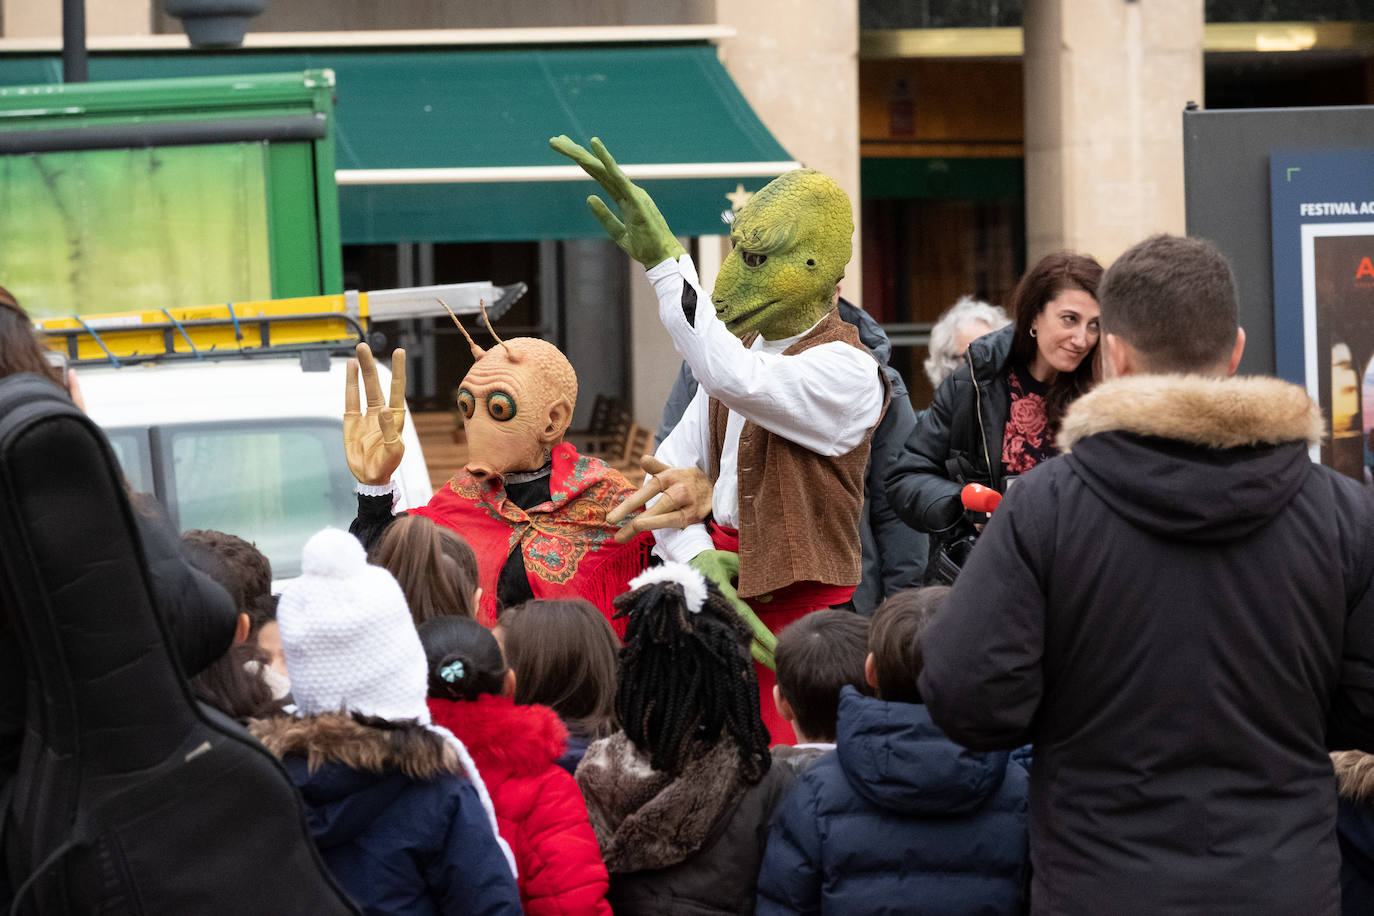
[563, 653]
[21, 350]
[681, 797]
[997, 416]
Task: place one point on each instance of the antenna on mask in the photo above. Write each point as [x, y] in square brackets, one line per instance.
[477, 352]
[482, 307]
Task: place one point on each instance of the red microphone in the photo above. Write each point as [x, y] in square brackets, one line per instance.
[978, 498]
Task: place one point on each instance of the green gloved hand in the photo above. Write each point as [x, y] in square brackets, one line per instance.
[722, 568]
[640, 230]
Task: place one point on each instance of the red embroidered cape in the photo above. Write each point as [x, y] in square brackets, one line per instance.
[566, 542]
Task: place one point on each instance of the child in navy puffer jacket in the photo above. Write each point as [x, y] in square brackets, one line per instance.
[397, 809]
[899, 818]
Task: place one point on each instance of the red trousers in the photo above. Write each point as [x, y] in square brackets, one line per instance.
[777, 610]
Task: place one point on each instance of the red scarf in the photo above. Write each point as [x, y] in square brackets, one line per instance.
[566, 543]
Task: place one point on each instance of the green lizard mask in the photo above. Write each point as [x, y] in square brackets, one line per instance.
[790, 245]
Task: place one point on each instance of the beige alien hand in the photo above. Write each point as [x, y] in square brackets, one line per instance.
[686, 500]
[372, 440]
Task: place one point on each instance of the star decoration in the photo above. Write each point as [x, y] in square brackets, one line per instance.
[738, 197]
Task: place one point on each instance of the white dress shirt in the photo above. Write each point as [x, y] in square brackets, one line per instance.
[825, 398]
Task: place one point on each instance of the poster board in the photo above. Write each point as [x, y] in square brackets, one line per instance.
[146, 194]
[1226, 168]
[1323, 250]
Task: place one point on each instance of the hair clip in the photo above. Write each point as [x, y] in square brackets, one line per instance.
[452, 672]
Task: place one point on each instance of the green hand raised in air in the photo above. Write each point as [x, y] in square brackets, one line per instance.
[640, 230]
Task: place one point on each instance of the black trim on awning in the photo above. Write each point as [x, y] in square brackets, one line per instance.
[127, 136]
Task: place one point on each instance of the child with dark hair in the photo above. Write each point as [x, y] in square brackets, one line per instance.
[250, 566]
[899, 817]
[816, 656]
[538, 806]
[239, 683]
[680, 798]
[435, 567]
[564, 654]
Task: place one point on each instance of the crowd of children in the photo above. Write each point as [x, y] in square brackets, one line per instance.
[541, 766]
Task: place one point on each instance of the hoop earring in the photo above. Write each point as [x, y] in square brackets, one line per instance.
[1032, 330]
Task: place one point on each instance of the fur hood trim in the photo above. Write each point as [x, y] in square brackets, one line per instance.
[377, 746]
[359, 743]
[1215, 413]
[645, 819]
[1354, 774]
[501, 736]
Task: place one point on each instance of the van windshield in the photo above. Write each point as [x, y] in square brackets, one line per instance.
[273, 484]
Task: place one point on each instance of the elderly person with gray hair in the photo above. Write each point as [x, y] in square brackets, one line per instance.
[961, 324]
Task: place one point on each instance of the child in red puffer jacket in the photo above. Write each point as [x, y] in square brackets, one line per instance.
[539, 808]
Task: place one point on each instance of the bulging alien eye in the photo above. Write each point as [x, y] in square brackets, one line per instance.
[501, 406]
[466, 403]
[751, 259]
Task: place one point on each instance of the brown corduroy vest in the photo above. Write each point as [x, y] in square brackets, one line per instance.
[798, 511]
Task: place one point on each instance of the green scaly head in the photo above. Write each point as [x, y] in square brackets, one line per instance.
[790, 246]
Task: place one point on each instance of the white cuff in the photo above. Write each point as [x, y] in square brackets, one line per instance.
[665, 268]
[379, 489]
[682, 545]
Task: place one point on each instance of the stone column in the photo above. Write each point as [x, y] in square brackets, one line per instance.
[796, 61]
[1106, 82]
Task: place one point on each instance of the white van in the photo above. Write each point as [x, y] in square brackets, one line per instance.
[232, 414]
[252, 447]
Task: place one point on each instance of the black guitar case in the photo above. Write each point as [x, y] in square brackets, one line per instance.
[128, 797]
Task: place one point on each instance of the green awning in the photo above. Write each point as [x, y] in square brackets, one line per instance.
[478, 123]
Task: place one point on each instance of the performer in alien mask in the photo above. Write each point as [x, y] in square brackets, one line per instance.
[788, 396]
[532, 508]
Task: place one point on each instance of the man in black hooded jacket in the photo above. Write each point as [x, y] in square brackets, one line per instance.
[1178, 613]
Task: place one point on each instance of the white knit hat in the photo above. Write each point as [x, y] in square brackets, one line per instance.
[347, 635]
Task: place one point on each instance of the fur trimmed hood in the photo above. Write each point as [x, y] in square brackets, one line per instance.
[1190, 458]
[646, 819]
[352, 765]
[1215, 413]
[520, 740]
[1354, 775]
[374, 746]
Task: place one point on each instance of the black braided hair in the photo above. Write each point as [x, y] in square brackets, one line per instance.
[464, 658]
[685, 677]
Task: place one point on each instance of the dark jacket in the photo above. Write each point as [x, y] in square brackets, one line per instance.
[797, 759]
[1355, 830]
[573, 751]
[684, 846]
[894, 555]
[957, 440]
[1179, 613]
[898, 819]
[401, 830]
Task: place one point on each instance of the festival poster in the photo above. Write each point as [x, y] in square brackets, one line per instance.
[1323, 222]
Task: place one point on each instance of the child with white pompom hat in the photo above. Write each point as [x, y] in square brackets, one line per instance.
[397, 809]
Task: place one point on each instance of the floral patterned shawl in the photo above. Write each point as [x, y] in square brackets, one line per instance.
[566, 542]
